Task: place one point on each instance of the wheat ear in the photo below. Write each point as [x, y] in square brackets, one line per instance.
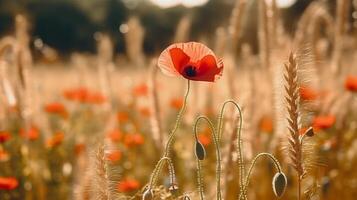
[292, 99]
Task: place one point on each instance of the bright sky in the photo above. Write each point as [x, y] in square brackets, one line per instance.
[192, 3]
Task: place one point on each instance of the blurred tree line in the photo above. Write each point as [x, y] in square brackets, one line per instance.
[69, 25]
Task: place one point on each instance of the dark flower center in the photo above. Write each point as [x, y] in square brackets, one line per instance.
[190, 71]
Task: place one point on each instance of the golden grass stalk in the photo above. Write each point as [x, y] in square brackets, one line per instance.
[340, 29]
[304, 22]
[155, 118]
[263, 34]
[105, 57]
[100, 181]
[235, 24]
[292, 99]
[274, 22]
[320, 18]
[183, 29]
[134, 39]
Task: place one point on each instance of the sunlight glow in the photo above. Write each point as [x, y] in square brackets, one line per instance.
[171, 3]
[285, 3]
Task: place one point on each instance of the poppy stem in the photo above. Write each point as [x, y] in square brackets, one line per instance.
[239, 142]
[250, 170]
[154, 175]
[218, 159]
[178, 121]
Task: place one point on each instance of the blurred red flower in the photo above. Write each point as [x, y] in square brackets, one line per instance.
[140, 90]
[84, 95]
[31, 134]
[176, 103]
[266, 124]
[8, 183]
[95, 98]
[76, 94]
[113, 155]
[134, 139]
[128, 185]
[145, 111]
[4, 156]
[308, 93]
[4, 136]
[323, 122]
[115, 135]
[55, 140]
[56, 108]
[205, 139]
[122, 117]
[351, 83]
[79, 148]
[192, 60]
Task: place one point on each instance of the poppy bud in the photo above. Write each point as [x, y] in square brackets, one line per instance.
[309, 132]
[200, 151]
[279, 184]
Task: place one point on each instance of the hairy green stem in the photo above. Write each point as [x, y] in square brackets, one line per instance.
[250, 170]
[218, 157]
[200, 179]
[178, 121]
[154, 175]
[239, 140]
[158, 169]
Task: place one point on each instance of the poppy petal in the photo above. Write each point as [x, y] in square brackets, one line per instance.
[209, 69]
[179, 58]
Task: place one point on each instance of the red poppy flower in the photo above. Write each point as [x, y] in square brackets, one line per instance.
[132, 140]
[128, 185]
[145, 111]
[266, 124]
[307, 93]
[323, 122]
[31, 134]
[115, 135]
[4, 155]
[4, 136]
[113, 156]
[176, 103]
[84, 95]
[95, 98]
[79, 148]
[141, 90]
[8, 183]
[351, 83]
[56, 108]
[123, 117]
[192, 60]
[55, 140]
[76, 94]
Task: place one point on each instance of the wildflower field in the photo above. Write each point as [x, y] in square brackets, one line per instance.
[238, 113]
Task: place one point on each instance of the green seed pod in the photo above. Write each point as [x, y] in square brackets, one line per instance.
[279, 184]
[200, 151]
[148, 195]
